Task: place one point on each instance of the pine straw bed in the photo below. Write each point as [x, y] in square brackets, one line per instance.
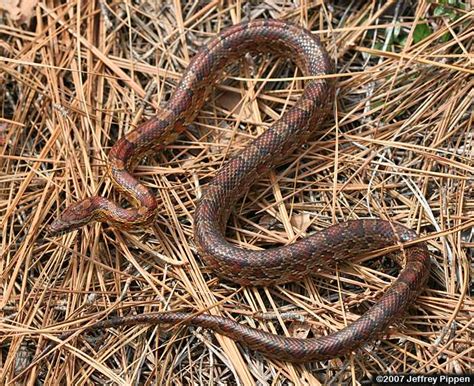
[398, 146]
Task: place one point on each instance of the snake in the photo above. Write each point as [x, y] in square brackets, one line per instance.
[277, 265]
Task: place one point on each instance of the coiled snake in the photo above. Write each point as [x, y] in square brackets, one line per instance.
[277, 265]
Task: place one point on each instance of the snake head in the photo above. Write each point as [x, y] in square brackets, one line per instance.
[74, 217]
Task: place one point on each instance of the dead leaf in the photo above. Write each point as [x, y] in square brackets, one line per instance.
[230, 101]
[299, 330]
[269, 222]
[19, 10]
[301, 221]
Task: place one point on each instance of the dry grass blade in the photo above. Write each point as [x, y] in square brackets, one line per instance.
[78, 75]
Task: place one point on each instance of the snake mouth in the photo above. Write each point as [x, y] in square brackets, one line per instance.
[59, 227]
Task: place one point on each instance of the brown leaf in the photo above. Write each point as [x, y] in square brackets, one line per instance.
[301, 221]
[299, 330]
[19, 10]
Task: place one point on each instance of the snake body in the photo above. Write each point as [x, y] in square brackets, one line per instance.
[266, 267]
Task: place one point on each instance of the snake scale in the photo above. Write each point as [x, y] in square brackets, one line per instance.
[265, 267]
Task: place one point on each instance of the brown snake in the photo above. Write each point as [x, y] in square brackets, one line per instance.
[277, 265]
